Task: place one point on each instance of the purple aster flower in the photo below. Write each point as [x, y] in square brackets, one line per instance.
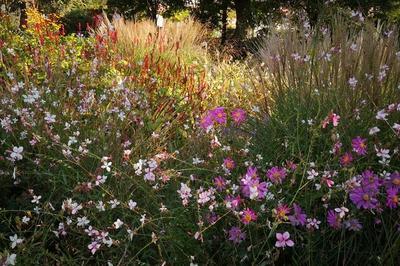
[353, 225]
[206, 122]
[364, 197]
[212, 217]
[333, 219]
[370, 179]
[298, 217]
[219, 183]
[359, 145]
[394, 181]
[392, 199]
[236, 235]
[276, 174]
[219, 115]
[252, 172]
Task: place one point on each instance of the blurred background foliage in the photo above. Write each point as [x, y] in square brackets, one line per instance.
[231, 19]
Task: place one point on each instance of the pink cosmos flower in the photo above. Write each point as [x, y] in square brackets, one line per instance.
[335, 119]
[332, 117]
[283, 240]
[206, 122]
[219, 183]
[248, 215]
[219, 115]
[238, 115]
[276, 174]
[326, 179]
[346, 159]
[281, 212]
[229, 163]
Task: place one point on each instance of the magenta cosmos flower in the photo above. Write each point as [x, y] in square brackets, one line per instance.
[206, 121]
[359, 145]
[281, 212]
[238, 115]
[283, 240]
[219, 183]
[298, 217]
[248, 215]
[276, 174]
[394, 181]
[346, 159]
[236, 235]
[333, 219]
[229, 163]
[252, 172]
[392, 199]
[219, 115]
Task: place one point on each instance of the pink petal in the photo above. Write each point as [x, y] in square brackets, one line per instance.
[286, 235]
[279, 244]
[279, 236]
[290, 243]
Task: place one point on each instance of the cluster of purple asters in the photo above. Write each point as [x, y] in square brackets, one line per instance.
[219, 116]
[365, 195]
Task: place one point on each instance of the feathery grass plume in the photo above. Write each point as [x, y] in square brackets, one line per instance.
[177, 41]
[346, 59]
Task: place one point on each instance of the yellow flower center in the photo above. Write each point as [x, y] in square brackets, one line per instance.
[366, 197]
[395, 199]
[247, 217]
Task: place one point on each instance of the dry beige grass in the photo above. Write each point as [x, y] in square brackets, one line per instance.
[182, 41]
[328, 60]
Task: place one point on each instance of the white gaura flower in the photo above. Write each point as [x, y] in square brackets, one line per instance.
[15, 241]
[132, 204]
[114, 203]
[82, 221]
[143, 218]
[25, 219]
[11, 259]
[342, 211]
[49, 118]
[16, 153]
[374, 130]
[118, 223]
[106, 166]
[36, 199]
[381, 115]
